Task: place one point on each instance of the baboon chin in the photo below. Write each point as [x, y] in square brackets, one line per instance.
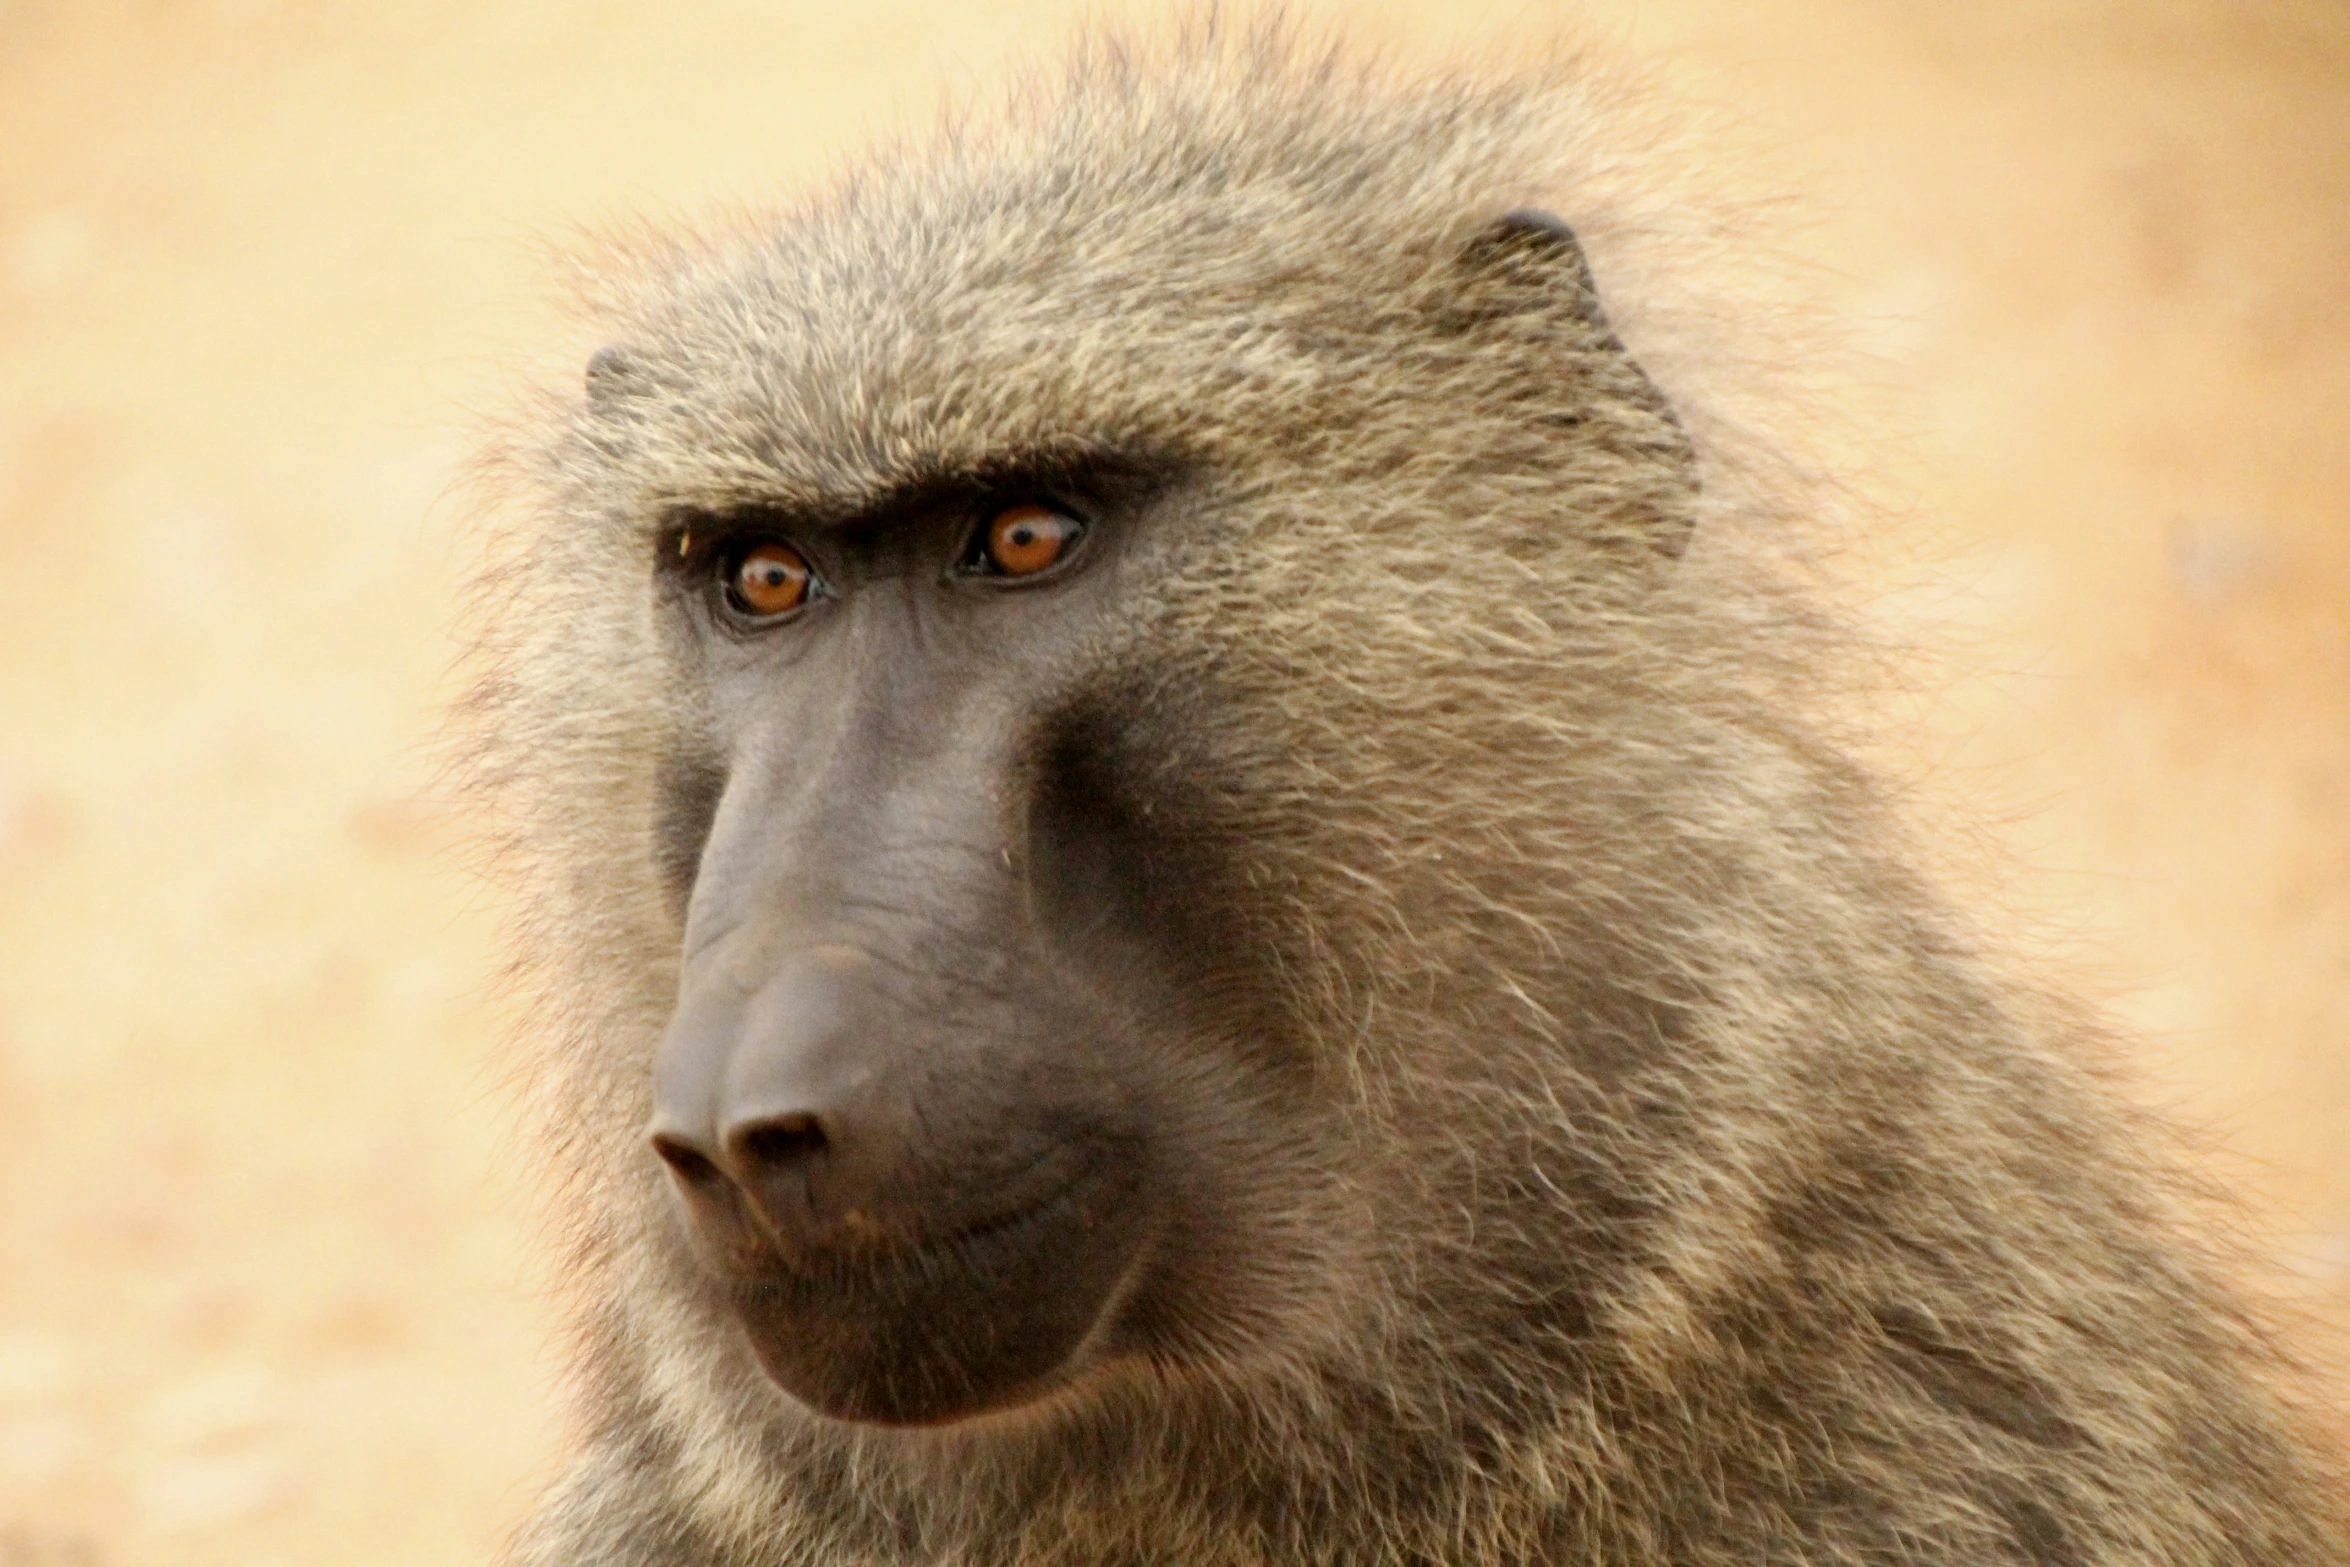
[1171, 787]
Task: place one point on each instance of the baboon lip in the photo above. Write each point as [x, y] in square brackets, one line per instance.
[869, 1246]
[994, 1314]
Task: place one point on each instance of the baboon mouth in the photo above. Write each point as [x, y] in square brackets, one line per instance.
[992, 1315]
[865, 1255]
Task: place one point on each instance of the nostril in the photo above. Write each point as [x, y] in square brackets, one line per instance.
[786, 1139]
[686, 1163]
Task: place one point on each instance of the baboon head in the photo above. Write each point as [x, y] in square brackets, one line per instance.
[1039, 582]
[982, 1062]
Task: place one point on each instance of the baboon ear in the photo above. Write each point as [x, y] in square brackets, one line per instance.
[611, 377]
[1540, 247]
[1537, 253]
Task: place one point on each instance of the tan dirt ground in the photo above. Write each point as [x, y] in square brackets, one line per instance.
[266, 1288]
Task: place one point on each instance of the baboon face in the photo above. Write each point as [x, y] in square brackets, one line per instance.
[987, 815]
[944, 1099]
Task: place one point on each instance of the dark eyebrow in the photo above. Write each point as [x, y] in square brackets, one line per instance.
[1097, 477]
[1102, 474]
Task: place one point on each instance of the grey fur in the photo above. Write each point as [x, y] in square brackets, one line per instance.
[1699, 1192]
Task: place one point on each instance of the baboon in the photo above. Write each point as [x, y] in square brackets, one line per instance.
[1184, 845]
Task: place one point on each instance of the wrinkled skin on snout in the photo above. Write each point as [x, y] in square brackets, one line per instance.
[946, 1121]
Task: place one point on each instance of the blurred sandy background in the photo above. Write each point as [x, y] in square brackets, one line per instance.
[266, 1285]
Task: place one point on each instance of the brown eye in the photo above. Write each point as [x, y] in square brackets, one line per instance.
[1023, 540]
[769, 579]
